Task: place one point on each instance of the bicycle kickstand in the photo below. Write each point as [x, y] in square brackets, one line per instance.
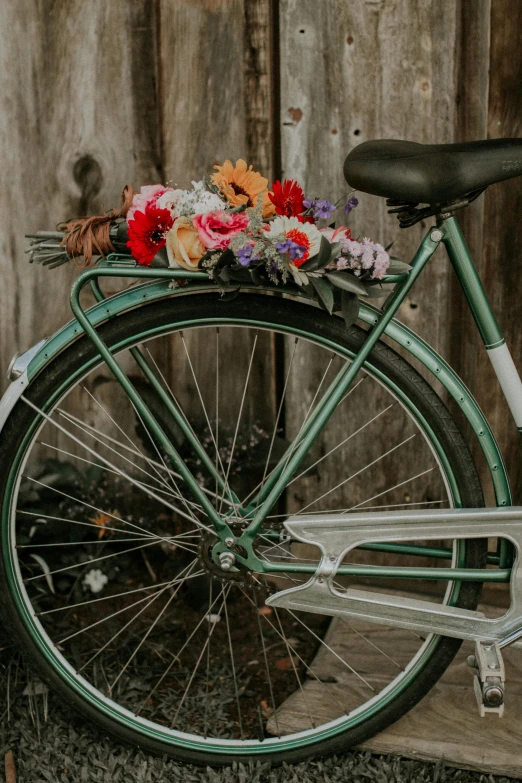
[489, 679]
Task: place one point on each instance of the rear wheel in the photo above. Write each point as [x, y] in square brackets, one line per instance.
[107, 564]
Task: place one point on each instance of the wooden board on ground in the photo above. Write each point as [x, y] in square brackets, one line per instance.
[446, 724]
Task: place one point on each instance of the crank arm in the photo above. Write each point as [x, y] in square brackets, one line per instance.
[338, 534]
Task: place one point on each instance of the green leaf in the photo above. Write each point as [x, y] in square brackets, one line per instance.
[347, 282]
[229, 294]
[378, 292]
[320, 260]
[398, 268]
[336, 251]
[226, 258]
[324, 292]
[255, 275]
[350, 307]
[240, 274]
[224, 274]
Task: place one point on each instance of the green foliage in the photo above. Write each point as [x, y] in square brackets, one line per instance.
[318, 277]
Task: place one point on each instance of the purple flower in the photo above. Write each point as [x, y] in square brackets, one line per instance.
[319, 209]
[324, 209]
[350, 204]
[292, 248]
[244, 255]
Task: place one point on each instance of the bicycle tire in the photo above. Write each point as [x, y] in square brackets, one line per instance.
[285, 317]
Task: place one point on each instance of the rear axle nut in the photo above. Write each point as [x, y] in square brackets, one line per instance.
[226, 560]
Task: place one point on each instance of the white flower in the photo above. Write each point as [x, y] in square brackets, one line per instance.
[353, 247]
[198, 201]
[305, 234]
[95, 580]
[170, 199]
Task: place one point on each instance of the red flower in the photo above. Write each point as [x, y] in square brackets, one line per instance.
[288, 199]
[147, 233]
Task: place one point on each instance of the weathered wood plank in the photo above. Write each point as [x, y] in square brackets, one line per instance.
[221, 108]
[75, 79]
[472, 115]
[352, 72]
[502, 227]
[78, 121]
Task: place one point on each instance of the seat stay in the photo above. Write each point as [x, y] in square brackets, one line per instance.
[487, 324]
[290, 461]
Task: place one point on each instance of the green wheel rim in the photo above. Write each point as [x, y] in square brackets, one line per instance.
[151, 730]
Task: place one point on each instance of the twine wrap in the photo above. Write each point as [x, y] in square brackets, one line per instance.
[88, 236]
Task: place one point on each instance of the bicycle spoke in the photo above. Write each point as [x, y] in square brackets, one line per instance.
[196, 667]
[327, 646]
[342, 443]
[124, 475]
[294, 652]
[111, 597]
[358, 473]
[240, 413]
[177, 656]
[97, 435]
[372, 644]
[99, 528]
[265, 658]
[207, 680]
[145, 486]
[125, 434]
[170, 392]
[294, 667]
[99, 559]
[177, 489]
[148, 603]
[279, 410]
[105, 513]
[295, 442]
[226, 487]
[390, 489]
[144, 639]
[232, 663]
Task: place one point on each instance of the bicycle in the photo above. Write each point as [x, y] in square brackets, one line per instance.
[183, 600]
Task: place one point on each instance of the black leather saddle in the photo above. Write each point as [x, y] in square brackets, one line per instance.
[407, 172]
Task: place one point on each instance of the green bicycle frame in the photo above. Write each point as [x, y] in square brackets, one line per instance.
[448, 232]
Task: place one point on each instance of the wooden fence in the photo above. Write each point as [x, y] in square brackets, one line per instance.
[98, 93]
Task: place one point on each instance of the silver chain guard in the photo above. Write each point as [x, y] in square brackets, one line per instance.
[337, 534]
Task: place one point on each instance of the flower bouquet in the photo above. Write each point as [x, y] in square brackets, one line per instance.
[239, 231]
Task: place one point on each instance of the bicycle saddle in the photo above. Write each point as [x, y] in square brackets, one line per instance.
[431, 173]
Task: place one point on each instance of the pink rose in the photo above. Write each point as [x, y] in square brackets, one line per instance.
[216, 229]
[147, 197]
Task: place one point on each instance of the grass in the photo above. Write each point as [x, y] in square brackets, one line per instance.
[48, 744]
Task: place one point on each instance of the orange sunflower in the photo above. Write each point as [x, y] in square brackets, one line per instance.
[240, 185]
